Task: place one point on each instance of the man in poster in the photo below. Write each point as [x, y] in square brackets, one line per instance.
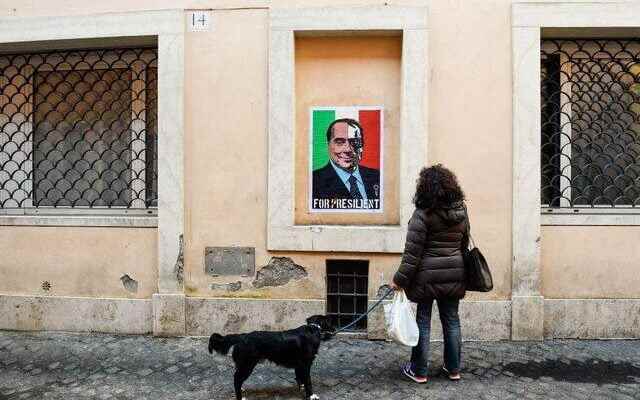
[344, 184]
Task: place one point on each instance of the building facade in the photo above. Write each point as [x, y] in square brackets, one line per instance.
[167, 167]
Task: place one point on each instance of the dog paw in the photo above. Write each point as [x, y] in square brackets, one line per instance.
[314, 397]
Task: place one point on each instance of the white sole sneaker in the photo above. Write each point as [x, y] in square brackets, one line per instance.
[451, 376]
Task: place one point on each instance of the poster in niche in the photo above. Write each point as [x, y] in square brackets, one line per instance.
[345, 161]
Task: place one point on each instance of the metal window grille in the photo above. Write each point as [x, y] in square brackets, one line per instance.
[590, 136]
[347, 292]
[78, 130]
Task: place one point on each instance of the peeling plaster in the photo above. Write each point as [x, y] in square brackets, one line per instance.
[279, 272]
[129, 283]
[179, 268]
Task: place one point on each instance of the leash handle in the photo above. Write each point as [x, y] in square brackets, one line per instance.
[363, 315]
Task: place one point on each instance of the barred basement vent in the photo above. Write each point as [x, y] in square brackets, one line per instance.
[347, 292]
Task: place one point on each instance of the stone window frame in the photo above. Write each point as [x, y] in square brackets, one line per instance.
[168, 27]
[527, 22]
[68, 32]
[528, 19]
[283, 233]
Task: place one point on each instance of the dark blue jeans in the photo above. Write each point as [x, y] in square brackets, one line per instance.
[448, 310]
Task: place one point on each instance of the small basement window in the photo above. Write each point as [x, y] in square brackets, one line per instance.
[347, 289]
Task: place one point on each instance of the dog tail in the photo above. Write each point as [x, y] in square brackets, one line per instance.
[222, 344]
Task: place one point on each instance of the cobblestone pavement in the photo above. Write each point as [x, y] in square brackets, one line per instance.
[71, 366]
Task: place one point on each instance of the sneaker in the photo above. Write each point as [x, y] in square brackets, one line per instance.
[453, 376]
[406, 369]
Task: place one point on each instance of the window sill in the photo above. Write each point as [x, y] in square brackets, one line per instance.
[586, 219]
[122, 221]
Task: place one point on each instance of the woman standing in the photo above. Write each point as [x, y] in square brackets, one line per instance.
[432, 267]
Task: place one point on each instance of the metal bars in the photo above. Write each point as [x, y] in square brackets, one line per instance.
[347, 292]
[590, 131]
[78, 130]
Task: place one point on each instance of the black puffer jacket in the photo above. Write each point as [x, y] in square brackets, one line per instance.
[432, 265]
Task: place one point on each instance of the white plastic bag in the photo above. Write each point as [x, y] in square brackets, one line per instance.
[400, 320]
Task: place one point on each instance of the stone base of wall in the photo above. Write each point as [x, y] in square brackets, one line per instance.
[527, 317]
[169, 314]
[75, 314]
[592, 318]
[481, 320]
[206, 315]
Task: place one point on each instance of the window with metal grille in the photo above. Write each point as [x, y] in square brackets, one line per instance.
[347, 292]
[78, 130]
[590, 143]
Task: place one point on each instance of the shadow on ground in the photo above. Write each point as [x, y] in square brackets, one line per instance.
[588, 371]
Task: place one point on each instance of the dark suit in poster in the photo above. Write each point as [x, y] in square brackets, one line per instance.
[328, 186]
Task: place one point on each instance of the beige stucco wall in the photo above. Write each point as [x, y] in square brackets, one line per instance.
[225, 140]
[590, 262]
[470, 118]
[77, 261]
[226, 75]
[226, 205]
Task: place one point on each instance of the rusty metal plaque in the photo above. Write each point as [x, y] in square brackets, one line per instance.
[219, 261]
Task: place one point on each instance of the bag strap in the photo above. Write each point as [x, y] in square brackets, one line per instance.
[471, 241]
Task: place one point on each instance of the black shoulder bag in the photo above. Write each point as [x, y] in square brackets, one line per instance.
[478, 275]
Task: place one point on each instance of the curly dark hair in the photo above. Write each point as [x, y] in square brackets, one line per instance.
[437, 187]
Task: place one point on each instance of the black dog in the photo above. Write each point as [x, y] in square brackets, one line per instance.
[295, 348]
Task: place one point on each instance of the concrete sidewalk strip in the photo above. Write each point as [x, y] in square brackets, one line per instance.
[72, 366]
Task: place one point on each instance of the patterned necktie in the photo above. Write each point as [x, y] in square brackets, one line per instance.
[353, 191]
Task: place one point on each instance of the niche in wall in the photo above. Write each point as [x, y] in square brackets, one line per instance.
[356, 79]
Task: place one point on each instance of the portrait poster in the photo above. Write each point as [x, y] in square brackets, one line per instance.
[345, 159]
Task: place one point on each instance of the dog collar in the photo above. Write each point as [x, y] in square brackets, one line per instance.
[317, 326]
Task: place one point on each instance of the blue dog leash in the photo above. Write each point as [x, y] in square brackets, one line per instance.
[377, 303]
